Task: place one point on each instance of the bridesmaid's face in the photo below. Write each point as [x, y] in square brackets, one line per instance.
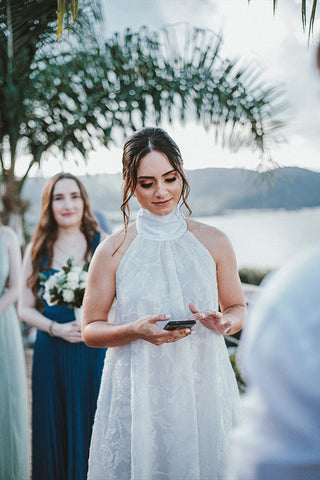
[67, 204]
[159, 185]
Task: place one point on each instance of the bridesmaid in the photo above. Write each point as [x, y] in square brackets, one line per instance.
[14, 436]
[66, 373]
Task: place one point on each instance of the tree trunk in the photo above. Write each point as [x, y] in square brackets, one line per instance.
[14, 207]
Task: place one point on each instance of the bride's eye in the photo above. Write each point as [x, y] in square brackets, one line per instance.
[171, 179]
[145, 185]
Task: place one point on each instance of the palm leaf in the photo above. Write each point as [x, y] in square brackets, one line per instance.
[66, 8]
[312, 17]
[303, 14]
[147, 77]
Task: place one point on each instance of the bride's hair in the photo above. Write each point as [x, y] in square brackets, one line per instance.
[137, 146]
[46, 231]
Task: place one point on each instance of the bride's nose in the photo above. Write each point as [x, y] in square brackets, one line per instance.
[160, 189]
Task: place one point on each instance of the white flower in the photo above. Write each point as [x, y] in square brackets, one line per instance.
[83, 276]
[47, 297]
[51, 282]
[68, 295]
[72, 280]
[59, 276]
[83, 279]
[76, 269]
[65, 287]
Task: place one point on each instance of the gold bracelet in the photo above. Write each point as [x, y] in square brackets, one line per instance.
[50, 329]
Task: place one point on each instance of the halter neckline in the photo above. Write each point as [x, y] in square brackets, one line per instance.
[161, 227]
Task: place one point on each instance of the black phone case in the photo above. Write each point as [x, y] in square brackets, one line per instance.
[178, 324]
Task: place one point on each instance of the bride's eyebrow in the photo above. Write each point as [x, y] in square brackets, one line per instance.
[145, 176]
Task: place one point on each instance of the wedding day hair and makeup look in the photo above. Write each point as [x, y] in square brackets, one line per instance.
[162, 268]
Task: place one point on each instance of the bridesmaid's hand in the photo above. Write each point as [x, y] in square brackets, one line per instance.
[70, 332]
[212, 320]
[147, 329]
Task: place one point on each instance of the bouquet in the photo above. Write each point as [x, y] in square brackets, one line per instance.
[65, 287]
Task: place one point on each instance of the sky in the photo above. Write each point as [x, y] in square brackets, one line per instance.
[251, 32]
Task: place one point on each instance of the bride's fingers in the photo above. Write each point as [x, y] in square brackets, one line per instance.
[193, 308]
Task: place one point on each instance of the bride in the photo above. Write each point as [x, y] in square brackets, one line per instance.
[168, 398]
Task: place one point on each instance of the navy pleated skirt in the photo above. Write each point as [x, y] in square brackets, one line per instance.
[65, 386]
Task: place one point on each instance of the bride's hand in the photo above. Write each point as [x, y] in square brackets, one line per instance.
[212, 320]
[147, 329]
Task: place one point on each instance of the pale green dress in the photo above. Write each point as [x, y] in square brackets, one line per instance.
[14, 429]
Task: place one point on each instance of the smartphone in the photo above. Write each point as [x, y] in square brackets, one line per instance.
[178, 324]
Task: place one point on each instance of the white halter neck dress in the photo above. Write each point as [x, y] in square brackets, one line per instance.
[164, 412]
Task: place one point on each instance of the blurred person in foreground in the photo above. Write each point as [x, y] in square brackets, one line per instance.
[279, 438]
[14, 426]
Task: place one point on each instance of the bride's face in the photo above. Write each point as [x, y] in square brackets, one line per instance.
[159, 185]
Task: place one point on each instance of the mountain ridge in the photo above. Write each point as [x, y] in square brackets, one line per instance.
[213, 191]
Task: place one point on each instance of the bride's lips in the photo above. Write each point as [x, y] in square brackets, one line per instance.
[162, 204]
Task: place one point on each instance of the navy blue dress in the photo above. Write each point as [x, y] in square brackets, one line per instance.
[65, 386]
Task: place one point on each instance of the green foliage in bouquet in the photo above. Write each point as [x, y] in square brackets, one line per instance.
[66, 287]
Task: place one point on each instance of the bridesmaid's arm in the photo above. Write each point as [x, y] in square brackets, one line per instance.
[27, 300]
[10, 295]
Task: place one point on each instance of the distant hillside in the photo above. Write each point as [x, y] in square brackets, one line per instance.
[213, 191]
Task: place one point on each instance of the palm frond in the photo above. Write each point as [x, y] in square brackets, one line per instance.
[148, 77]
[304, 14]
[312, 17]
[66, 9]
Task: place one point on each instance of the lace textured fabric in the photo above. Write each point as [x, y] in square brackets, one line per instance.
[164, 412]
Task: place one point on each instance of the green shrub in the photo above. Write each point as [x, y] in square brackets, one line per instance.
[254, 276]
[233, 359]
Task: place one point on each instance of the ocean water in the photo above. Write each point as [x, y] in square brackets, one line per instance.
[268, 238]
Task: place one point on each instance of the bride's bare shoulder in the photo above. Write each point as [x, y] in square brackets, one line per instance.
[211, 237]
[116, 244]
[204, 231]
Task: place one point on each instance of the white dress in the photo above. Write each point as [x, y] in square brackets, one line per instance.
[165, 412]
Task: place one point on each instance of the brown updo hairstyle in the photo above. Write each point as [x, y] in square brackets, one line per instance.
[46, 231]
[137, 146]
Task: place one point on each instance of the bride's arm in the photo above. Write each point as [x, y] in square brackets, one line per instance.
[230, 294]
[98, 300]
